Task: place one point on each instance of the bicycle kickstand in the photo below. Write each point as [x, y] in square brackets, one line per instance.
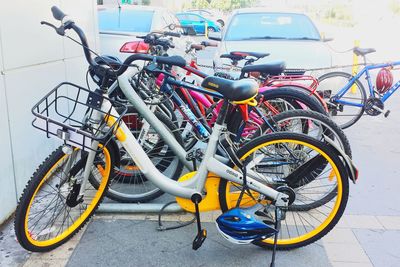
[201, 233]
[278, 218]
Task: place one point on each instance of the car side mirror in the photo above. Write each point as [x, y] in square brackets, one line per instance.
[188, 30]
[216, 36]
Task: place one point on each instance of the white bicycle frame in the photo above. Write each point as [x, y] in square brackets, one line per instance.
[185, 189]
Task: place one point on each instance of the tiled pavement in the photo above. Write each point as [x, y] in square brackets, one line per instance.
[132, 240]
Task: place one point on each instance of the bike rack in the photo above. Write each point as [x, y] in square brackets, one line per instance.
[138, 208]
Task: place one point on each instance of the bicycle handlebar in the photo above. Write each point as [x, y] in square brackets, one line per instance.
[57, 13]
[70, 24]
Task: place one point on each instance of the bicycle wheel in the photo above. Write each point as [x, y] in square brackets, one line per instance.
[317, 126]
[284, 158]
[285, 97]
[308, 122]
[49, 212]
[329, 86]
[128, 184]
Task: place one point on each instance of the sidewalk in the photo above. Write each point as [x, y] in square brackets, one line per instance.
[132, 240]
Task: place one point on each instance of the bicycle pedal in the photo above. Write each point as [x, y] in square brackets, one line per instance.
[199, 239]
[387, 114]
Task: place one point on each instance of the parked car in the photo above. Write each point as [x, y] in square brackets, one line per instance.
[198, 22]
[122, 25]
[210, 14]
[289, 37]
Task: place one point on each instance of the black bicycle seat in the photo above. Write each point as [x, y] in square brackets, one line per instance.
[363, 51]
[269, 69]
[238, 90]
[249, 54]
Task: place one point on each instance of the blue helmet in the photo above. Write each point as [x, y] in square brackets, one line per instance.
[240, 226]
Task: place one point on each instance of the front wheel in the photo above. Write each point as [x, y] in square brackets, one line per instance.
[345, 115]
[280, 159]
[50, 210]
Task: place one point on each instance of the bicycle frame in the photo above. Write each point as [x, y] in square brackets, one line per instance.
[185, 189]
[337, 98]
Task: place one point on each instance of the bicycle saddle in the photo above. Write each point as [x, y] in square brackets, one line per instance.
[270, 68]
[111, 61]
[238, 90]
[237, 55]
[252, 54]
[173, 60]
[363, 51]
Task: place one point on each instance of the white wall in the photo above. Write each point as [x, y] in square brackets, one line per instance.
[33, 60]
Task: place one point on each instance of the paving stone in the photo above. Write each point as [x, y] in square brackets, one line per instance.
[362, 221]
[351, 264]
[390, 222]
[346, 253]
[11, 252]
[340, 235]
[381, 246]
[139, 244]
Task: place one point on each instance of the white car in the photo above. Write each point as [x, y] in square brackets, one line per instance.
[119, 26]
[289, 37]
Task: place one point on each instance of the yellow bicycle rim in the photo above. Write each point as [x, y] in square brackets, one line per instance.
[334, 173]
[83, 216]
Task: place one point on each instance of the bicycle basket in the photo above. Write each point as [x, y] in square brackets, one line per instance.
[66, 112]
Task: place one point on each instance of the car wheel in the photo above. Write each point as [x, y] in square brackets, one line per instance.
[210, 29]
[221, 22]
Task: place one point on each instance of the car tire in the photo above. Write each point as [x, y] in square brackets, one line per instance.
[210, 29]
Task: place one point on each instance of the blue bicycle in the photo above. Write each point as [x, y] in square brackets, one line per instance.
[346, 96]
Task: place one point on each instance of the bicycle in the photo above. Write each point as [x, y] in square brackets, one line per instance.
[88, 151]
[346, 96]
[128, 183]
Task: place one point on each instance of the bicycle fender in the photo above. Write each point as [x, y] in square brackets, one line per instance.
[112, 144]
[351, 169]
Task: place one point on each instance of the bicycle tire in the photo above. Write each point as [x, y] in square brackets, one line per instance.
[334, 111]
[339, 206]
[25, 236]
[132, 179]
[294, 96]
[334, 132]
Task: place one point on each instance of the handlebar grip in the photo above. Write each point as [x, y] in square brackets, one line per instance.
[173, 34]
[208, 43]
[57, 13]
[197, 46]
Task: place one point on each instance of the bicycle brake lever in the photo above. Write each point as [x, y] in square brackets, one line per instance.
[154, 69]
[59, 30]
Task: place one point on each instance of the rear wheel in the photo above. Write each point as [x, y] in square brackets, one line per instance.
[274, 101]
[128, 183]
[330, 85]
[50, 211]
[284, 158]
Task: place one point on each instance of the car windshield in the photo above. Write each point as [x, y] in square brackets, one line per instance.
[125, 20]
[271, 26]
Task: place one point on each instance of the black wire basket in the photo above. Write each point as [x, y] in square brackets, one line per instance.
[66, 112]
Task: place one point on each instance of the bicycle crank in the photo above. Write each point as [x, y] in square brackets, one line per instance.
[374, 106]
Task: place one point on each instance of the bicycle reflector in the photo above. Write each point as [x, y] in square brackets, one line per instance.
[135, 47]
[384, 80]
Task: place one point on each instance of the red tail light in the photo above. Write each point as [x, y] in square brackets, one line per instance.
[135, 47]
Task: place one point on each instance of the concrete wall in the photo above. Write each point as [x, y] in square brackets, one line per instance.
[33, 60]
